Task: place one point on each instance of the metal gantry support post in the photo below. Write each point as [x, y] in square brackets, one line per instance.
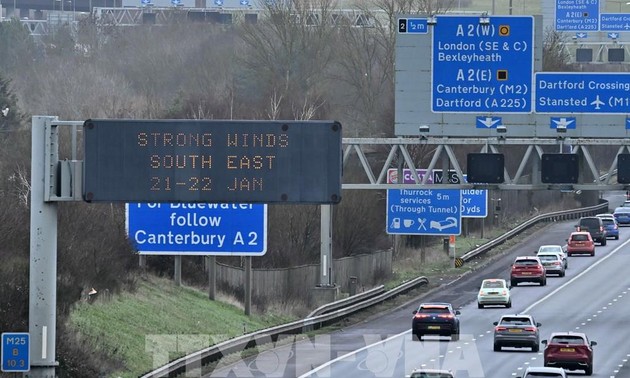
[325, 277]
[43, 257]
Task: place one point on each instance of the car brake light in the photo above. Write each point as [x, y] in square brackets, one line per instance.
[420, 316]
[449, 316]
[504, 292]
[500, 329]
[556, 263]
[530, 329]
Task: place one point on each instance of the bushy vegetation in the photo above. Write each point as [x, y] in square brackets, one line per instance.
[273, 69]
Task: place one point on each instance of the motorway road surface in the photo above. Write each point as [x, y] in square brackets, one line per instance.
[593, 297]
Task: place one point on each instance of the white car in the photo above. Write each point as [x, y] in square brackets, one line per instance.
[548, 372]
[494, 291]
[555, 249]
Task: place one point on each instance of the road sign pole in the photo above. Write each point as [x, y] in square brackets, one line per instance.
[43, 254]
[212, 277]
[248, 285]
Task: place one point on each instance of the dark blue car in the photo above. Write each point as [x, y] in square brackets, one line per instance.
[611, 226]
[622, 215]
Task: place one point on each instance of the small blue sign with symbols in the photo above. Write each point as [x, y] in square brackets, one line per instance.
[581, 35]
[582, 92]
[488, 122]
[563, 123]
[615, 22]
[424, 211]
[16, 352]
[576, 15]
[482, 67]
[198, 228]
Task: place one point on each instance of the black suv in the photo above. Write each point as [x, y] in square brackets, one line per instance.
[435, 319]
[595, 227]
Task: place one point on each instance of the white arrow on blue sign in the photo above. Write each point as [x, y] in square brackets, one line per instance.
[424, 211]
[581, 35]
[488, 122]
[563, 123]
[198, 228]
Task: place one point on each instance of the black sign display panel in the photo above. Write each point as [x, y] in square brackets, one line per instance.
[212, 161]
[486, 168]
[560, 168]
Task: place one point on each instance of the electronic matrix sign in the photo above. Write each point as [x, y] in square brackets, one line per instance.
[212, 161]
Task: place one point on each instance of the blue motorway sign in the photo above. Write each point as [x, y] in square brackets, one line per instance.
[423, 211]
[614, 22]
[474, 201]
[575, 15]
[482, 67]
[413, 25]
[198, 228]
[15, 352]
[582, 92]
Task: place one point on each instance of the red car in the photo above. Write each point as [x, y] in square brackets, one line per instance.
[528, 269]
[580, 242]
[569, 350]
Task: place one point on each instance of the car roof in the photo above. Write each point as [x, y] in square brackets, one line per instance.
[623, 209]
[544, 369]
[526, 258]
[435, 304]
[516, 316]
[568, 333]
[604, 215]
[550, 245]
[556, 254]
[493, 280]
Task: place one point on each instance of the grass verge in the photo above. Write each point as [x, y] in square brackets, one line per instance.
[160, 317]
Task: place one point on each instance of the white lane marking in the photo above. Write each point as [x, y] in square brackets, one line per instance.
[541, 300]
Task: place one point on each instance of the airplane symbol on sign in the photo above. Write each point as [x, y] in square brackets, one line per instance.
[489, 122]
[597, 102]
[563, 123]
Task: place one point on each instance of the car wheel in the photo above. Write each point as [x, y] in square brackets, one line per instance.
[569, 255]
[455, 336]
[535, 348]
[589, 370]
[593, 253]
[603, 241]
[562, 274]
[543, 282]
[509, 304]
[497, 347]
[479, 305]
[513, 282]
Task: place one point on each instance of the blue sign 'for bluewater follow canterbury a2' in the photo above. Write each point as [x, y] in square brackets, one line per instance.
[198, 228]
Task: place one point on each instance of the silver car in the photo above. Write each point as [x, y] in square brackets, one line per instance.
[552, 262]
[560, 250]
